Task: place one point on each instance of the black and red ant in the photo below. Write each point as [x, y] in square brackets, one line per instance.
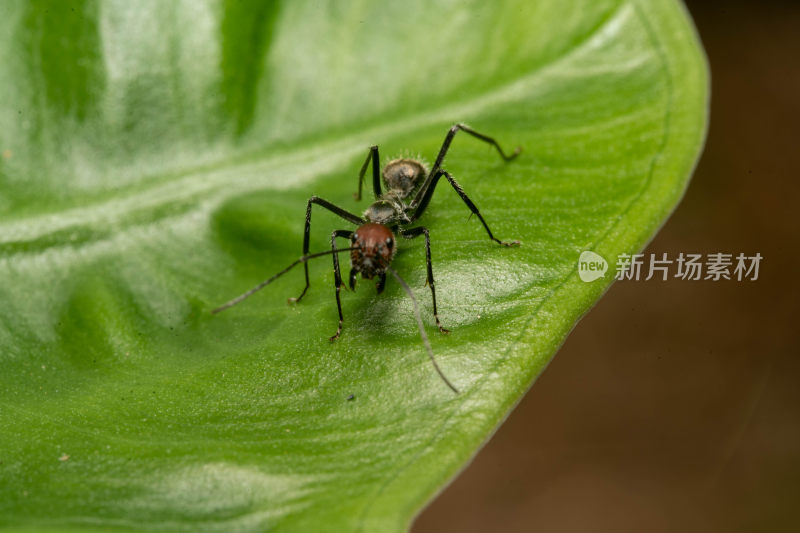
[373, 243]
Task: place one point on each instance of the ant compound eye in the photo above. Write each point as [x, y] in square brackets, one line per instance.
[389, 242]
[354, 238]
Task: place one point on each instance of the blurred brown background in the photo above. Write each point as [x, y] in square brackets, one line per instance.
[675, 405]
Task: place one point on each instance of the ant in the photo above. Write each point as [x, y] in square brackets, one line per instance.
[373, 243]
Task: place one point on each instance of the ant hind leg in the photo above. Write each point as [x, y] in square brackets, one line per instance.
[466, 129]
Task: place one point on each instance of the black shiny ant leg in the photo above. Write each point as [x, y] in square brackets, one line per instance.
[350, 217]
[381, 284]
[466, 129]
[376, 173]
[416, 232]
[337, 276]
[432, 177]
[353, 277]
[472, 207]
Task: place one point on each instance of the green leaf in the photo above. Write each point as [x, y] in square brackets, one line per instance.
[156, 161]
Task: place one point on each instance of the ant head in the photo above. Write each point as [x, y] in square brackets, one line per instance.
[374, 249]
[404, 175]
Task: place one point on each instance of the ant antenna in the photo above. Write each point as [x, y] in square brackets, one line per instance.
[421, 328]
[276, 276]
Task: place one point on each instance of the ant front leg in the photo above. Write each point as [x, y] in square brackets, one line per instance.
[337, 276]
[416, 232]
[376, 173]
[350, 217]
[472, 207]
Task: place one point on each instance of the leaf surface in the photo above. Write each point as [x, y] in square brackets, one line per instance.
[156, 161]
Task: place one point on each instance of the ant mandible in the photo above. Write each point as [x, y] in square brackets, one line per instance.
[373, 243]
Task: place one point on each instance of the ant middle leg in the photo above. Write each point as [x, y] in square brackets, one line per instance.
[376, 173]
[472, 207]
[337, 277]
[416, 232]
[350, 217]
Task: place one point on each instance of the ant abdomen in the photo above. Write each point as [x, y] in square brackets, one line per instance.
[404, 175]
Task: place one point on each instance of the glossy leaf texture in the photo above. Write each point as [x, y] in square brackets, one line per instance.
[156, 161]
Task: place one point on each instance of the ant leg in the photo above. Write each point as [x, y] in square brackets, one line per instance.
[416, 232]
[443, 151]
[350, 217]
[381, 284]
[429, 193]
[376, 173]
[337, 276]
[466, 129]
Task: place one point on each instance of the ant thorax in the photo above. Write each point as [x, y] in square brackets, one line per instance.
[402, 178]
[388, 210]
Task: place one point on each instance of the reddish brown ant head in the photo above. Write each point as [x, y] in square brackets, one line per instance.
[375, 248]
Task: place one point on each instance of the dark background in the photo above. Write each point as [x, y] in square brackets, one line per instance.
[675, 405]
